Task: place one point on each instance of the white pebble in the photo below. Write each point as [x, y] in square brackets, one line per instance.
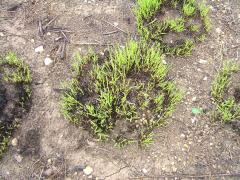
[39, 49]
[218, 30]
[205, 78]
[144, 171]
[1, 34]
[88, 170]
[194, 120]
[18, 158]
[182, 136]
[194, 98]
[201, 61]
[14, 142]
[174, 169]
[48, 61]
[115, 24]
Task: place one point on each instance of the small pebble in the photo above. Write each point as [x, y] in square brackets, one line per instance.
[202, 61]
[18, 158]
[182, 136]
[39, 49]
[88, 170]
[185, 146]
[48, 61]
[174, 169]
[194, 120]
[14, 142]
[48, 172]
[218, 30]
[115, 24]
[205, 78]
[90, 176]
[1, 34]
[49, 161]
[144, 171]
[194, 99]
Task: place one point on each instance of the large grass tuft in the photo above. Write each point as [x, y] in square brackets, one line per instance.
[122, 96]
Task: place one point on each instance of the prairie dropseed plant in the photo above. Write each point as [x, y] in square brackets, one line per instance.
[227, 104]
[13, 74]
[153, 28]
[124, 97]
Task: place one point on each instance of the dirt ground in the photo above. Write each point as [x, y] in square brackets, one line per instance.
[188, 147]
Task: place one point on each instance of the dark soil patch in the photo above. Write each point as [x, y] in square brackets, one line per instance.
[237, 95]
[3, 100]
[30, 143]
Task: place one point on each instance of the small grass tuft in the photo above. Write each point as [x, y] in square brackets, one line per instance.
[14, 74]
[227, 105]
[189, 8]
[122, 96]
[154, 29]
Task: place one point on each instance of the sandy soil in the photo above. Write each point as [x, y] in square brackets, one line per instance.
[188, 144]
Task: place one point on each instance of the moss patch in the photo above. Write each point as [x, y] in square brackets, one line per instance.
[121, 96]
[15, 94]
[175, 24]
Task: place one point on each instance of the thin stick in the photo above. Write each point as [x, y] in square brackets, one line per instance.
[63, 50]
[40, 177]
[50, 22]
[116, 172]
[112, 32]
[114, 26]
[91, 43]
[65, 36]
[40, 29]
[58, 30]
[189, 176]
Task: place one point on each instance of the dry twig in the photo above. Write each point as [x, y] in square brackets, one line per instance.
[114, 26]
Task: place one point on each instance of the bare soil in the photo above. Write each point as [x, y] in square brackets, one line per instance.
[52, 148]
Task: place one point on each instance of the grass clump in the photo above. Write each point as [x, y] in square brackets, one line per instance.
[189, 8]
[122, 96]
[15, 77]
[192, 24]
[226, 98]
